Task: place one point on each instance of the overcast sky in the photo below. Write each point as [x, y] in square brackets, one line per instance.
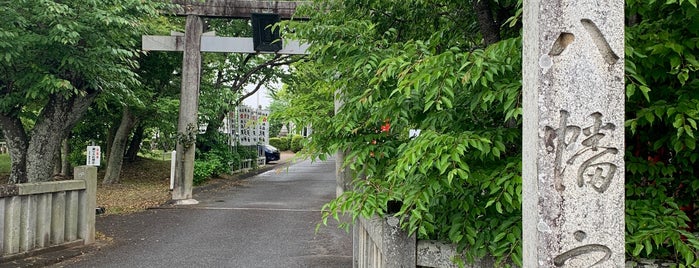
[259, 98]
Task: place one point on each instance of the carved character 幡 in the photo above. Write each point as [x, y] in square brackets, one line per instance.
[593, 169]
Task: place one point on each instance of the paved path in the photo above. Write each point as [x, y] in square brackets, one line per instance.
[268, 221]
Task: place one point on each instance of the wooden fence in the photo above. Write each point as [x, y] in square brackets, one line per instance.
[35, 217]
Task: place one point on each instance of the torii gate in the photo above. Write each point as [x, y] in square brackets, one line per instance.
[193, 43]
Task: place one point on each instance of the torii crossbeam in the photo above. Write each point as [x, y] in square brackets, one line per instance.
[238, 9]
[192, 44]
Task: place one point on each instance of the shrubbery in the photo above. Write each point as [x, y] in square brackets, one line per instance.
[203, 170]
[212, 163]
[296, 143]
[249, 152]
[281, 143]
[293, 143]
[219, 161]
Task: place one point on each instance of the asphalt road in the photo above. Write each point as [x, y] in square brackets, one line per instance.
[268, 221]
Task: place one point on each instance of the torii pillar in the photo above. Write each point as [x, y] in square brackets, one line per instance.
[187, 126]
[193, 43]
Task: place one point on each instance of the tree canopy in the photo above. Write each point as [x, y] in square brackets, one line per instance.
[57, 56]
[65, 59]
[452, 69]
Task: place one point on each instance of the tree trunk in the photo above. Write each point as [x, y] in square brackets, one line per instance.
[57, 162]
[210, 136]
[116, 155]
[135, 144]
[488, 27]
[54, 123]
[65, 158]
[110, 139]
[17, 144]
[490, 30]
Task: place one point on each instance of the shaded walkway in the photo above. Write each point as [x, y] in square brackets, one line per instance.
[268, 221]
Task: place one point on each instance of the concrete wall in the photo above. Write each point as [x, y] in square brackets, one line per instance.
[432, 253]
[37, 216]
[380, 243]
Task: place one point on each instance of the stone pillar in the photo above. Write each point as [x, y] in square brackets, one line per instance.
[2, 222]
[86, 222]
[399, 248]
[356, 251]
[573, 133]
[380, 242]
[187, 126]
[342, 174]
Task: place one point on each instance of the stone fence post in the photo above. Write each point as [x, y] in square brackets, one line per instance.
[398, 246]
[86, 222]
[380, 242]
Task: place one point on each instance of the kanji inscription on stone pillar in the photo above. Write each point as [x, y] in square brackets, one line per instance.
[573, 133]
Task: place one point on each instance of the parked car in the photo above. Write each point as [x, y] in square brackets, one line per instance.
[271, 153]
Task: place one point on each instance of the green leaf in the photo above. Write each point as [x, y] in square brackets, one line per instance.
[648, 246]
[490, 203]
[637, 249]
[679, 121]
[645, 90]
[499, 237]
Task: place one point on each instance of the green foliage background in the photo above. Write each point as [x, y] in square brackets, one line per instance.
[59, 57]
[662, 187]
[422, 64]
[219, 160]
[396, 66]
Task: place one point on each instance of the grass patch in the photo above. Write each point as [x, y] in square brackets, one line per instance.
[4, 166]
[144, 183]
[157, 155]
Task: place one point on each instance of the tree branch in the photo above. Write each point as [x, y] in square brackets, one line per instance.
[259, 85]
[486, 22]
[245, 62]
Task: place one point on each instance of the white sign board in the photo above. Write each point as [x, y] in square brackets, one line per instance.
[93, 155]
[252, 126]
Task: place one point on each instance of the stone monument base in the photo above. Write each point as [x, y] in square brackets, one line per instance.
[185, 202]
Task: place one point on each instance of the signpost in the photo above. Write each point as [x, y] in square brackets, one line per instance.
[250, 126]
[94, 155]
